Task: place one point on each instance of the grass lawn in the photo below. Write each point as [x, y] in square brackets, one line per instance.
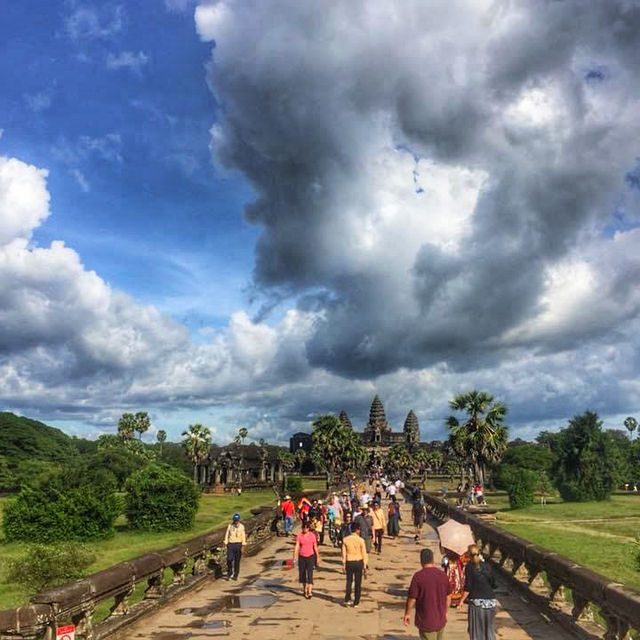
[598, 535]
[214, 511]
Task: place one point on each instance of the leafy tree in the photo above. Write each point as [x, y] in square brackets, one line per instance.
[161, 436]
[44, 566]
[126, 426]
[286, 459]
[8, 479]
[586, 464]
[400, 461]
[547, 439]
[73, 504]
[142, 422]
[120, 461]
[422, 459]
[30, 473]
[299, 457]
[481, 437]
[631, 424]
[294, 484]
[243, 432]
[160, 498]
[520, 485]
[336, 448]
[197, 443]
[528, 456]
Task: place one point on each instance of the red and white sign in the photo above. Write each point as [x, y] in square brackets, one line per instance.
[66, 633]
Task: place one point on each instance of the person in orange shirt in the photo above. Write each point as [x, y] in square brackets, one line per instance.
[379, 524]
[354, 564]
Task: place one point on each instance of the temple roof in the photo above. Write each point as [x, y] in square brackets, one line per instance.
[344, 418]
[411, 423]
[377, 415]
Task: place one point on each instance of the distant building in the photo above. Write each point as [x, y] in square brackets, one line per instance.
[300, 441]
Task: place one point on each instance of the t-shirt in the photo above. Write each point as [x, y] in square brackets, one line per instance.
[287, 508]
[307, 542]
[430, 588]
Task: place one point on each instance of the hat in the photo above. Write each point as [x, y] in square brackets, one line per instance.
[319, 501]
[236, 517]
[287, 497]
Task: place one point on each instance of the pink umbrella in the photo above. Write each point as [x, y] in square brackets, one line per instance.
[455, 537]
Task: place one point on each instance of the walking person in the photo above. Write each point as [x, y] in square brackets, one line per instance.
[379, 524]
[307, 555]
[235, 541]
[345, 528]
[366, 526]
[354, 563]
[419, 513]
[393, 512]
[479, 592]
[288, 509]
[429, 595]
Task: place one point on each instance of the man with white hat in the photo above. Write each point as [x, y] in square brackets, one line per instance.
[235, 541]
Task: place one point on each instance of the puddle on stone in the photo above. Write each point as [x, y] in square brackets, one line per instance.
[249, 602]
[395, 591]
[209, 624]
[198, 611]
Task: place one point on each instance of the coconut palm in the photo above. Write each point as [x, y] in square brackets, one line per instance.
[243, 432]
[197, 443]
[161, 436]
[286, 459]
[481, 438]
[126, 426]
[400, 461]
[631, 424]
[142, 422]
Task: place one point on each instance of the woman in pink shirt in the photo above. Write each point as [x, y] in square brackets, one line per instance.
[306, 552]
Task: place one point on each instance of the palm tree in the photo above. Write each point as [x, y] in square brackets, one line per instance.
[631, 424]
[336, 448]
[161, 437]
[299, 457]
[243, 432]
[126, 426]
[286, 459]
[482, 436]
[197, 443]
[400, 461]
[142, 422]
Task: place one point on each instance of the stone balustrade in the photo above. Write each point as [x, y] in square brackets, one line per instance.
[189, 563]
[586, 603]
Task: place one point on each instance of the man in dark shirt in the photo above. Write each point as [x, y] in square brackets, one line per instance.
[430, 594]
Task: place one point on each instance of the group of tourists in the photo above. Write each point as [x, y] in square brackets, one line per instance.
[470, 493]
[355, 521]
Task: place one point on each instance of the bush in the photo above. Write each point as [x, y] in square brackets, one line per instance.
[294, 484]
[587, 463]
[520, 485]
[45, 566]
[77, 504]
[161, 498]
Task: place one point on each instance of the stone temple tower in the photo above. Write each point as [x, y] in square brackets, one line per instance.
[344, 418]
[377, 429]
[411, 430]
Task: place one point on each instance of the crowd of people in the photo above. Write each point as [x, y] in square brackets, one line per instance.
[355, 521]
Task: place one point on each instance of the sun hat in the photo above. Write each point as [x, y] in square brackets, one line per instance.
[236, 516]
[287, 497]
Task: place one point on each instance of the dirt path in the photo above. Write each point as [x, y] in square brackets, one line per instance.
[266, 603]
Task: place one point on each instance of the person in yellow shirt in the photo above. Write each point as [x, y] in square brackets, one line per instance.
[354, 563]
[379, 525]
[235, 541]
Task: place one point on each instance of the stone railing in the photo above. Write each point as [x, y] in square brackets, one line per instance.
[162, 575]
[584, 602]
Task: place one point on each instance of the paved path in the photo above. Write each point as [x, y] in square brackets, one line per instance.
[266, 604]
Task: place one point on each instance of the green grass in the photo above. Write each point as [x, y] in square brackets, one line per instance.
[597, 535]
[214, 511]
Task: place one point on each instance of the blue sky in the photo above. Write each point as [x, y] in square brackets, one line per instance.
[241, 212]
[133, 187]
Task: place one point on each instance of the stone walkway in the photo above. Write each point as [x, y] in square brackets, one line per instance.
[266, 604]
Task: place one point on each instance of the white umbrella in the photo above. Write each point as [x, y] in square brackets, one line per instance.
[455, 537]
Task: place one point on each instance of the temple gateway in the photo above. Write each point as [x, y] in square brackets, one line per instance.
[378, 437]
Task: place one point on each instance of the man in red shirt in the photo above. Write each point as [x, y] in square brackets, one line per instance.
[429, 593]
[288, 509]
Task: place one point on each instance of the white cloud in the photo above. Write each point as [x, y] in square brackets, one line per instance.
[80, 178]
[128, 60]
[37, 102]
[87, 22]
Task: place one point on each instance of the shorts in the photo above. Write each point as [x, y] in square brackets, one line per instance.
[432, 635]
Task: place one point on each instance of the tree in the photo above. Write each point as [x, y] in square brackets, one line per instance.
[142, 422]
[243, 432]
[520, 485]
[482, 436]
[336, 448]
[161, 437]
[400, 462]
[126, 426]
[299, 457]
[423, 461]
[586, 464]
[631, 424]
[286, 459]
[197, 443]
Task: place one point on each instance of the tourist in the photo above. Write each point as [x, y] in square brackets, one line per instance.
[306, 554]
[393, 513]
[479, 494]
[479, 592]
[288, 509]
[345, 529]
[453, 565]
[419, 513]
[429, 595]
[391, 490]
[315, 519]
[303, 508]
[235, 541]
[365, 497]
[354, 564]
[379, 524]
[365, 523]
[377, 495]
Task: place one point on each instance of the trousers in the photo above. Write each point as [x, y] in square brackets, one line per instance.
[378, 534]
[234, 553]
[354, 575]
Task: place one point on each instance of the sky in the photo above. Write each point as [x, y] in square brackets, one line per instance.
[250, 212]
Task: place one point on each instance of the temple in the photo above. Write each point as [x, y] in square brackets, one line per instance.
[378, 437]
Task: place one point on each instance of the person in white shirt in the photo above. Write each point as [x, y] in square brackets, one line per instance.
[391, 490]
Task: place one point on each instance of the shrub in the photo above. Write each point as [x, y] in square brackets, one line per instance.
[586, 467]
[294, 484]
[76, 504]
[161, 498]
[520, 485]
[45, 566]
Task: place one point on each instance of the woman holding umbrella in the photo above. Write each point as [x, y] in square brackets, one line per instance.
[455, 539]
